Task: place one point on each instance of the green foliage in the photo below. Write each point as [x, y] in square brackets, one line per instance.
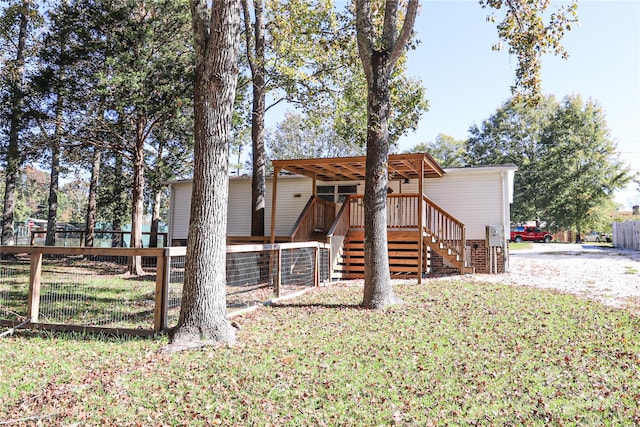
[457, 353]
[567, 164]
[408, 100]
[528, 36]
[583, 167]
[128, 73]
[446, 150]
[32, 191]
[72, 201]
[313, 63]
[299, 137]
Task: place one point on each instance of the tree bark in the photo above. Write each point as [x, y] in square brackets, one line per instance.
[255, 56]
[119, 208]
[203, 312]
[93, 197]
[135, 266]
[13, 157]
[157, 197]
[378, 292]
[52, 214]
[378, 65]
[155, 220]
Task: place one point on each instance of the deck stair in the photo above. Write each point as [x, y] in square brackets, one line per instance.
[441, 234]
[447, 253]
[403, 255]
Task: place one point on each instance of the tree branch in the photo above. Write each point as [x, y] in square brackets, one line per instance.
[248, 34]
[405, 32]
[364, 35]
[200, 23]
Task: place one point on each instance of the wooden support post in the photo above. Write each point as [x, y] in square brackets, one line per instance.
[314, 182]
[420, 222]
[35, 277]
[274, 195]
[160, 311]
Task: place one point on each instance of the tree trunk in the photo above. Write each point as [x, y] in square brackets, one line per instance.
[93, 197]
[378, 292]
[119, 208]
[157, 197]
[258, 181]
[13, 157]
[52, 214]
[203, 314]
[135, 266]
[379, 56]
[155, 220]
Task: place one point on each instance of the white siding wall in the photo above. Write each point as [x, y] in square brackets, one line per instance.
[473, 198]
[239, 209]
[476, 196]
[180, 210]
[288, 207]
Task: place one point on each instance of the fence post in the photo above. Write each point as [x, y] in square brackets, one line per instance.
[159, 314]
[278, 270]
[316, 267]
[34, 286]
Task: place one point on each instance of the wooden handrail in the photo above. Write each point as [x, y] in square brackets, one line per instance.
[338, 232]
[317, 214]
[443, 226]
[325, 214]
[402, 214]
[303, 220]
[341, 223]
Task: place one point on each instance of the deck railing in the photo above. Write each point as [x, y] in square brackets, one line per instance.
[402, 211]
[443, 226]
[402, 214]
[318, 214]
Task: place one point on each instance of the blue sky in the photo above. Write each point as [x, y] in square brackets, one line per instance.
[466, 81]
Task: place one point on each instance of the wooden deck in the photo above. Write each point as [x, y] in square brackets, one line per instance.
[417, 227]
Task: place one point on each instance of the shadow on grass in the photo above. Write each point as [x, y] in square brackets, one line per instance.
[318, 305]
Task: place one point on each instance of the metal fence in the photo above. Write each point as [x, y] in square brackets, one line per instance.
[91, 289]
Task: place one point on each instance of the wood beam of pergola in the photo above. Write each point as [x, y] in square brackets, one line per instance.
[400, 166]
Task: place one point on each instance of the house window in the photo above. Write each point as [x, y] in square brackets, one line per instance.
[346, 190]
[326, 192]
[336, 193]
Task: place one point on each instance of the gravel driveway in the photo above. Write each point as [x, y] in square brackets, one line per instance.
[605, 274]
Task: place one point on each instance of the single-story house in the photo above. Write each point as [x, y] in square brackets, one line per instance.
[440, 221]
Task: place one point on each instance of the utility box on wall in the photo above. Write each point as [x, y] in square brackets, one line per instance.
[495, 235]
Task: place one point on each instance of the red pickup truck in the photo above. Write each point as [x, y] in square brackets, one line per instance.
[531, 234]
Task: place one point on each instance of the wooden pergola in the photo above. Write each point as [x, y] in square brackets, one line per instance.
[400, 167]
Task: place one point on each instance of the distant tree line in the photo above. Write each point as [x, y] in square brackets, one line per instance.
[568, 165]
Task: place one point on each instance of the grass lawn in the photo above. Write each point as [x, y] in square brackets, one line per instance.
[456, 353]
[520, 246]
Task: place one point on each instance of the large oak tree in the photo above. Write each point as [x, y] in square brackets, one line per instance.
[380, 45]
[203, 314]
[379, 53]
